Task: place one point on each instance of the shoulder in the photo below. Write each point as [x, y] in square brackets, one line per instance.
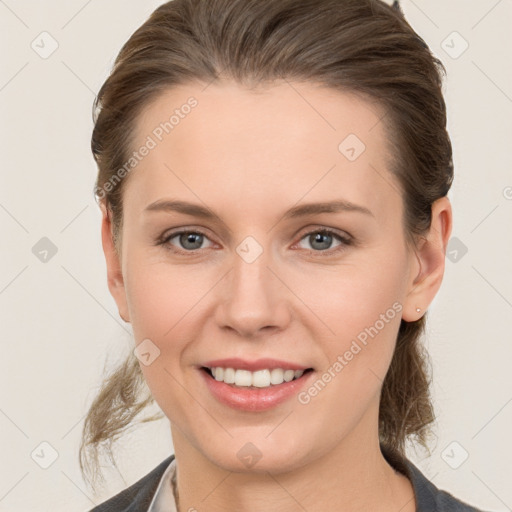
[138, 496]
[428, 497]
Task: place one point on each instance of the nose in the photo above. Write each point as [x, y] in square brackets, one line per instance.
[253, 300]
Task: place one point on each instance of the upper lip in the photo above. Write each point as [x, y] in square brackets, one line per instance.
[258, 364]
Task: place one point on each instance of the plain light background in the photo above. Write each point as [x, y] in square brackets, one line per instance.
[60, 324]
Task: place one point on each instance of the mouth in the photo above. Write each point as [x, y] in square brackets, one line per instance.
[254, 385]
[259, 379]
[254, 391]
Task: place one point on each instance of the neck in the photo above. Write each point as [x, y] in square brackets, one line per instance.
[353, 476]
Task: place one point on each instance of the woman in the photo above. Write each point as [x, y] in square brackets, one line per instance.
[273, 178]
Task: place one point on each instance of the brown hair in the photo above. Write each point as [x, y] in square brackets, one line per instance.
[360, 46]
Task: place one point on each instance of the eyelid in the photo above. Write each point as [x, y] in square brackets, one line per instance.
[344, 235]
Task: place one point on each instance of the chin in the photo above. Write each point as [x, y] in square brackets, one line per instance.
[258, 457]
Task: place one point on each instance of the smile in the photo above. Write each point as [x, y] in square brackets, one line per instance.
[254, 386]
[263, 378]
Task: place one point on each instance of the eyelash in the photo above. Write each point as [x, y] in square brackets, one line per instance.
[345, 241]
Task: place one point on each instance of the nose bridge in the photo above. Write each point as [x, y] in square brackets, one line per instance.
[252, 300]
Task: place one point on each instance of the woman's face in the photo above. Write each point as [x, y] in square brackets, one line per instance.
[255, 279]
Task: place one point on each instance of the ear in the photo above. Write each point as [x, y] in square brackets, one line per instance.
[113, 260]
[429, 270]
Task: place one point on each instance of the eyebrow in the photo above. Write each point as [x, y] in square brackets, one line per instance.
[302, 210]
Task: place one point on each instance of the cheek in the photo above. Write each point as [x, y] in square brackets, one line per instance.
[159, 299]
[160, 295]
[365, 316]
[349, 299]
[161, 303]
[361, 309]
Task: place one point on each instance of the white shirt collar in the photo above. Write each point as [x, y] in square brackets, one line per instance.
[164, 500]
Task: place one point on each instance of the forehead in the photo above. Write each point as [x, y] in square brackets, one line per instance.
[263, 147]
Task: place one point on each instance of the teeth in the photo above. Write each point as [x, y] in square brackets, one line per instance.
[243, 378]
[259, 379]
[288, 375]
[229, 376]
[276, 376]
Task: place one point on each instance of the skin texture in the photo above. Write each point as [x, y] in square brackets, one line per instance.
[249, 156]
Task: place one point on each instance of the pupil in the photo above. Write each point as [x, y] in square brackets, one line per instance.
[327, 240]
[191, 238]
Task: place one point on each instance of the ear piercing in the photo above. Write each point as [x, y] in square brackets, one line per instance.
[418, 310]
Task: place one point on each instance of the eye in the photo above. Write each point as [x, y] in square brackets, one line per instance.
[321, 240]
[187, 241]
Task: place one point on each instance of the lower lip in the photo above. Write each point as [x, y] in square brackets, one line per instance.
[254, 399]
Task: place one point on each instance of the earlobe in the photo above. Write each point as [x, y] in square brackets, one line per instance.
[115, 278]
[430, 255]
